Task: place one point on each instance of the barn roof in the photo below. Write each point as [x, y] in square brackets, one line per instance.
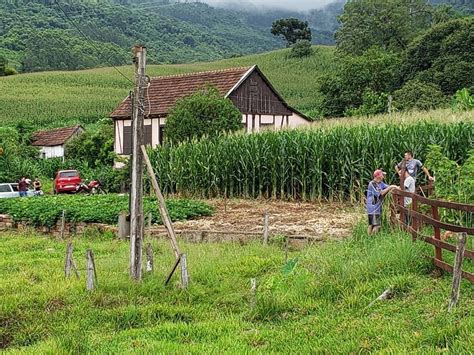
[53, 137]
[164, 91]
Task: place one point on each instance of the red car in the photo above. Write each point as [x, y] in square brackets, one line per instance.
[66, 181]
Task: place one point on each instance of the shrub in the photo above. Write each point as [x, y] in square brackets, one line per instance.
[372, 104]
[204, 113]
[10, 71]
[462, 101]
[418, 95]
[301, 49]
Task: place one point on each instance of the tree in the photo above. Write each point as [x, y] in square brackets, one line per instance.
[301, 49]
[416, 95]
[3, 66]
[292, 30]
[390, 24]
[204, 113]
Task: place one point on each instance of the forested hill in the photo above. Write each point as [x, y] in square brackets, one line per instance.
[46, 34]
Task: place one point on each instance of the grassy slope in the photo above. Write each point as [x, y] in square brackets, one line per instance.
[319, 307]
[63, 98]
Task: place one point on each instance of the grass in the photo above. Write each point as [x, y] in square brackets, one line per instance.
[54, 99]
[318, 303]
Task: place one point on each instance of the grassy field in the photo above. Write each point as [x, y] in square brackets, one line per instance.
[318, 302]
[50, 99]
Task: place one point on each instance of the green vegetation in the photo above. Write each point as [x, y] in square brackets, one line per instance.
[315, 303]
[47, 210]
[335, 162]
[292, 30]
[56, 99]
[204, 113]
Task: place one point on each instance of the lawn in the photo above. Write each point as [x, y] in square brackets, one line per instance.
[317, 302]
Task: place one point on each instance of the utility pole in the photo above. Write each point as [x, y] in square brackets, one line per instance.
[136, 192]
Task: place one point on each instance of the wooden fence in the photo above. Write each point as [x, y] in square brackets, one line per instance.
[413, 219]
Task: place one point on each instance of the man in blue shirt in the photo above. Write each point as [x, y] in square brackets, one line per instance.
[376, 192]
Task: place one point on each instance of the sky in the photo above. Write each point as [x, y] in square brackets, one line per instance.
[298, 5]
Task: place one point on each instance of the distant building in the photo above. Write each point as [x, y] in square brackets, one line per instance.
[261, 105]
[52, 143]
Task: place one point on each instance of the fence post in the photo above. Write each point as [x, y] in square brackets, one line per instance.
[148, 232]
[91, 273]
[184, 272]
[438, 250]
[123, 225]
[67, 264]
[457, 271]
[414, 220]
[149, 258]
[253, 293]
[63, 223]
[265, 228]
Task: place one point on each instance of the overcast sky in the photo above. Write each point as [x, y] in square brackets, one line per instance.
[299, 5]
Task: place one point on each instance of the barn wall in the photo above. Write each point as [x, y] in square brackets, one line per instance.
[257, 123]
[52, 152]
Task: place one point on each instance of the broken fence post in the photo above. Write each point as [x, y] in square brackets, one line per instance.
[91, 272]
[63, 223]
[148, 232]
[149, 258]
[287, 241]
[172, 270]
[184, 272]
[265, 228]
[68, 262]
[457, 271]
[123, 225]
[253, 292]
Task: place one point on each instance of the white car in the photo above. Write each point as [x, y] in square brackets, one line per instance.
[10, 190]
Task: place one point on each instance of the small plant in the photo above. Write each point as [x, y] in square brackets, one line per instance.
[462, 101]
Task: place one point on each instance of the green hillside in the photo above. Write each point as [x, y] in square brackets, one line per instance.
[51, 99]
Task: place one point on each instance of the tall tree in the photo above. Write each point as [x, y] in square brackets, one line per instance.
[292, 30]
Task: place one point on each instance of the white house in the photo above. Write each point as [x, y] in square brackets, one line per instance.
[53, 142]
[261, 105]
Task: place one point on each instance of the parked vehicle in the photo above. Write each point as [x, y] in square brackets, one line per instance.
[10, 190]
[66, 181]
[94, 187]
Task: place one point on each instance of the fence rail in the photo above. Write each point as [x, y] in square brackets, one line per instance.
[412, 219]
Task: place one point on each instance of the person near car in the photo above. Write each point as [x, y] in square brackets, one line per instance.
[23, 187]
[37, 186]
[412, 165]
[376, 192]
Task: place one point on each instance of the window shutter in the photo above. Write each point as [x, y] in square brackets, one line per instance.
[148, 135]
[127, 140]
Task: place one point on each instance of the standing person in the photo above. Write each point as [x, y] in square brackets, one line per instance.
[409, 186]
[23, 187]
[376, 192]
[37, 186]
[412, 166]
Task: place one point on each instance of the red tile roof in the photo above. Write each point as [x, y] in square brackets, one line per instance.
[164, 91]
[58, 136]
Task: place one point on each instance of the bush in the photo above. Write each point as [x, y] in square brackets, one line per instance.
[204, 113]
[301, 49]
[418, 95]
[462, 101]
[372, 104]
[10, 71]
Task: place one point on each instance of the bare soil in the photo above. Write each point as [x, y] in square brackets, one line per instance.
[311, 220]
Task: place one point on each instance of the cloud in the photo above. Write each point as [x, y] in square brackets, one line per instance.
[296, 5]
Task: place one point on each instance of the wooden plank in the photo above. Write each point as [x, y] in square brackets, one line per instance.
[161, 204]
[446, 267]
[437, 232]
[436, 203]
[469, 254]
[457, 270]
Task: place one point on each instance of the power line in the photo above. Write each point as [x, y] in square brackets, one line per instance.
[87, 38]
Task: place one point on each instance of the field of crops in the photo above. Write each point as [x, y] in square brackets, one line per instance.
[51, 99]
[47, 210]
[335, 162]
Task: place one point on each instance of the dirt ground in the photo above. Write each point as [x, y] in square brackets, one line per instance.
[319, 221]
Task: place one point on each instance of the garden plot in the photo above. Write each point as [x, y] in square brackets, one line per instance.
[311, 220]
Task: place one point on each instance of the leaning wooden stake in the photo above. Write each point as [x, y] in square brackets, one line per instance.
[457, 272]
[91, 273]
[149, 258]
[253, 293]
[265, 227]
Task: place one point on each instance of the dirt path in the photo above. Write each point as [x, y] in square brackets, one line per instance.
[317, 220]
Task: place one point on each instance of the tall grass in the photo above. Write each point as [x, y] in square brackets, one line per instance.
[52, 99]
[310, 164]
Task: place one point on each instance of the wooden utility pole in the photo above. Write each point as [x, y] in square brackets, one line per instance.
[136, 191]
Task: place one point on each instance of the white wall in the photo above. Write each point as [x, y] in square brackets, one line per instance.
[277, 122]
[52, 152]
[155, 138]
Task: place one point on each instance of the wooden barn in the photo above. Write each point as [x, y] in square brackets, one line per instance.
[262, 107]
[52, 143]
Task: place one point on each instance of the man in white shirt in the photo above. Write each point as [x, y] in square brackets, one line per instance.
[409, 185]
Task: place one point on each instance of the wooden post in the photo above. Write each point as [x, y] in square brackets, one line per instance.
[414, 220]
[172, 270]
[253, 293]
[438, 250]
[149, 258]
[63, 223]
[68, 263]
[265, 228]
[123, 225]
[287, 240]
[184, 272]
[91, 274]
[148, 232]
[457, 272]
[136, 191]
[161, 205]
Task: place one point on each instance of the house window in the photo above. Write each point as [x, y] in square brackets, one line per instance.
[127, 138]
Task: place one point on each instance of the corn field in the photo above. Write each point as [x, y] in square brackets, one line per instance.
[333, 163]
